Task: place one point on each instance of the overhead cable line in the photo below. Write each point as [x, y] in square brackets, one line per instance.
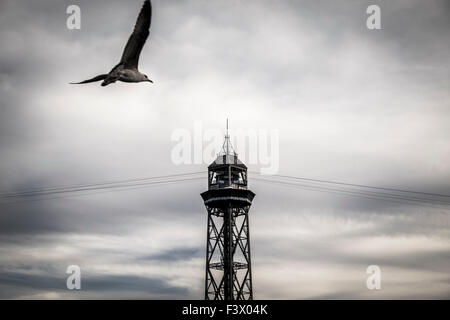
[359, 193]
[353, 185]
[90, 186]
[101, 190]
[365, 191]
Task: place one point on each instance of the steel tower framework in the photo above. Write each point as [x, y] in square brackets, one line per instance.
[228, 200]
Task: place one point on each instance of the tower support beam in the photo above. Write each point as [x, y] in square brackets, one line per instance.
[228, 259]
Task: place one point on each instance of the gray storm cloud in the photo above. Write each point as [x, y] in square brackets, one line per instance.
[350, 104]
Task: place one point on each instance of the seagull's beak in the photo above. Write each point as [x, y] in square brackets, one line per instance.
[148, 80]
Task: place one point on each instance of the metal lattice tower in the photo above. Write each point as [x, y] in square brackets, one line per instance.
[228, 201]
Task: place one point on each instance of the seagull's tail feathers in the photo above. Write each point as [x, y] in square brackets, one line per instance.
[95, 79]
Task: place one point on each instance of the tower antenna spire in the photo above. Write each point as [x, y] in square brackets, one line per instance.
[227, 148]
[228, 140]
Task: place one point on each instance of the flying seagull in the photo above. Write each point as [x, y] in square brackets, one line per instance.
[127, 69]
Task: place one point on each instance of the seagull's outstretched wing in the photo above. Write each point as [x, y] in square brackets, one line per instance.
[130, 57]
[95, 79]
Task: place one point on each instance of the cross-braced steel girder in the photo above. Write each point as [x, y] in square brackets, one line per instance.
[228, 259]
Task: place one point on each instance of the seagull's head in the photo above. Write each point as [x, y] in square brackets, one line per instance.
[146, 79]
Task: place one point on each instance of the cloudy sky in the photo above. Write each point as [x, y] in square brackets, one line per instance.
[349, 104]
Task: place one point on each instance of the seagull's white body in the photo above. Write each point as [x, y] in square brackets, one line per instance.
[125, 75]
[127, 69]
